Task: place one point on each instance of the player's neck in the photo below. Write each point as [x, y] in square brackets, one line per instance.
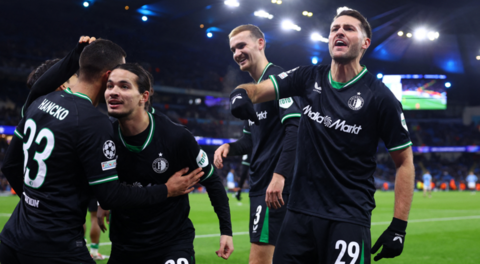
[91, 89]
[345, 72]
[134, 124]
[257, 69]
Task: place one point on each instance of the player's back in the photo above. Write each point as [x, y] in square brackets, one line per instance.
[49, 217]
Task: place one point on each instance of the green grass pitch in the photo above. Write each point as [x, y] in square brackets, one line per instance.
[410, 102]
[442, 229]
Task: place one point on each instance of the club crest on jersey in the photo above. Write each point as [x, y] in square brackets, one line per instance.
[355, 102]
[109, 149]
[160, 165]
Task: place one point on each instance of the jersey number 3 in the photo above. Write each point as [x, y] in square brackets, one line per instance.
[40, 157]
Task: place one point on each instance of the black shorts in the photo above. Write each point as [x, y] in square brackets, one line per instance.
[167, 256]
[10, 256]
[92, 204]
[310, 239]
[265, 223]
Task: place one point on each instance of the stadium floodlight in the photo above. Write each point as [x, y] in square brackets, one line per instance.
[478, 57]
[86, 4]
[379, 76]
[144, 18]
[287, 24]
[409, 35]
[431, 35]
[340, 9]
[233, 3]
[209, 34]
[305, 13]
[317, 37]
[448, 85]
[278, 2]
[400, 33]
[420, 34]
[314, 60]
[310, 14]
[261, 13]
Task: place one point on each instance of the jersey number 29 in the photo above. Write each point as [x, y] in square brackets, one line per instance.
[40, 157]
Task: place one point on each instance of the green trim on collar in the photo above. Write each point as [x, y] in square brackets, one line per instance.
[339, 85]
[137, 149]
[264, 70]
[81, 95]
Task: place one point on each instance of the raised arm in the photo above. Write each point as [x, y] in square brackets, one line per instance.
[259, 93]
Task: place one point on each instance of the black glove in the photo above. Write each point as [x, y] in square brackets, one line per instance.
[392, 240]
[241, 106]
[237, 195]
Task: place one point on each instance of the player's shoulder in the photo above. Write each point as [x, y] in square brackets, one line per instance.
[274, 69]
[375, 84]
[164, 125]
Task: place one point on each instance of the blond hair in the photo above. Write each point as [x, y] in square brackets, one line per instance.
[254, 31]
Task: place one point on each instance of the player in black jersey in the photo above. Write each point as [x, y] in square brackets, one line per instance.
[271, 138]
[150, 148]
[68, 148]
[346, 110]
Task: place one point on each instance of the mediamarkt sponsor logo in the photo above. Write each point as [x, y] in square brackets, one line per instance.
[327, 121]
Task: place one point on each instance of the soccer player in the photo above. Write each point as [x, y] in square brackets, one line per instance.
[427, 183]
[150, 149]
[346, 111]
[68, 148]
[270, 136]
[472, 181]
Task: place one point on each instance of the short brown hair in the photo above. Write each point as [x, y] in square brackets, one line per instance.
[254, 31]
[98, 57]
[363, 21]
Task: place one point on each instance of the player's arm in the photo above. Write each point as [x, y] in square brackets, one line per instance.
[195, 157]
[58, 73]
[285, 164]
[13, 163]
[404, 182]
[394, 132]
[283, 85]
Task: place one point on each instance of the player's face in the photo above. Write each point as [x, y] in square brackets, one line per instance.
[347, 39]
[246, 50]
[122, 95]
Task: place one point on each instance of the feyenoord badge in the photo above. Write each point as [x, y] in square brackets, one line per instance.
[160, 165]
[355, 102]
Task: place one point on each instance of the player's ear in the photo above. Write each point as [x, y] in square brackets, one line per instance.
[145, 96]
[366, 43]
[261, 43]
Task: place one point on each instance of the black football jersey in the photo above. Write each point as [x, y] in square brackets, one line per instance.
[267, 137]
[68, 145]
[168, 147]
[337, 140]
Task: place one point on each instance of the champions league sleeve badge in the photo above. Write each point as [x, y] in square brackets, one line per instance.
[355, 102]
[109, 149]
[160, 165]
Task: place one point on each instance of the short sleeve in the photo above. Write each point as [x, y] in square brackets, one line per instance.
[289, 108]
[97, 150]
[392, 125]
[291, 83]
[194, 156]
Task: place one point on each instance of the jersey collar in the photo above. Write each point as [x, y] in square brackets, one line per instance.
[264, 70]
[339, 85]
[137, 149]
[81, 95]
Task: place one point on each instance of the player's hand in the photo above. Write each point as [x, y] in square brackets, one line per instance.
[392, 240]
[179, 185]
[83, 42]
[220, 154]
[273, 197]
[101, 214]
[238, 195]
[242, 107]
[226, 247]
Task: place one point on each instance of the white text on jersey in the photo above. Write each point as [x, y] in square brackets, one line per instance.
[30, 201]
[53, 109]
[327, 121]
